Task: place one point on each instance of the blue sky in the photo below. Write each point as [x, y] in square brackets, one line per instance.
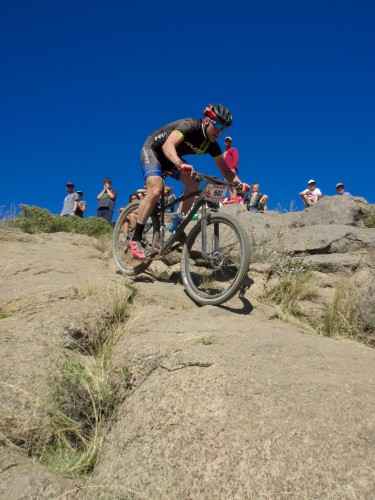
[84, 83]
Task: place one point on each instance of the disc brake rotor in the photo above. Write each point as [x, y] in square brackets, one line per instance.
[217, 260]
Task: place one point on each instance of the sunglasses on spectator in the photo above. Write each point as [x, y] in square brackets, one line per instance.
[217, 125]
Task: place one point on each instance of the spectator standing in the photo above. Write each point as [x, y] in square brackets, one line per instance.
[340, 188]
[106, 201]
[79, 205]
[69, 200]
[232, 159]
[310, 195]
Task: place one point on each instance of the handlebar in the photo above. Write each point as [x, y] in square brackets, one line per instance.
[199, 176]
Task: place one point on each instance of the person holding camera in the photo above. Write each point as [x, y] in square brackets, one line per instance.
[106, 201]
[79, 205]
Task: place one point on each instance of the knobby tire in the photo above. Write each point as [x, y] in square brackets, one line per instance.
[215, 280]
[122, 254]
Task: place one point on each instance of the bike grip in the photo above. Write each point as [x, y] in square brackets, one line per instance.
[183, 166]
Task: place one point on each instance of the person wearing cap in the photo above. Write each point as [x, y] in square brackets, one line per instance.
[232, 159]
[79, 205]
[340, 188]
[69, 200]
[310, 195]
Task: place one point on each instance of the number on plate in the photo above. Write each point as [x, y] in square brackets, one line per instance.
[215, 192]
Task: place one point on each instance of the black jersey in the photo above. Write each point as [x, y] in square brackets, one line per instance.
[195, 141]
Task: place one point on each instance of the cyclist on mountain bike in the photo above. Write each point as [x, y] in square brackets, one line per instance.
[162, 152]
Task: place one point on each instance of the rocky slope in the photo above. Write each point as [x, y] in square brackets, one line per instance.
[223, 402]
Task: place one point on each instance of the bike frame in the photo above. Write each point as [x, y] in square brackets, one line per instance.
[207, 208]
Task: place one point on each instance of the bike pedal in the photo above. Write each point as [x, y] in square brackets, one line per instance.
[153, 252]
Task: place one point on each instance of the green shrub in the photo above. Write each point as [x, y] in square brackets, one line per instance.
[40, 220]
[371, 220]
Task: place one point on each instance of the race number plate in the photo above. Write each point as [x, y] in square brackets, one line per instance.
[215, 192]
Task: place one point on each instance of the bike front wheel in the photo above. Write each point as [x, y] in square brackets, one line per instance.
[213, 277]
[123, 232]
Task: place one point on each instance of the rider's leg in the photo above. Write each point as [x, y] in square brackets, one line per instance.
[190, 186]
[154, 186]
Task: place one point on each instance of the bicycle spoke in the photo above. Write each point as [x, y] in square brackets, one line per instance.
[215, 275]
[122, 233]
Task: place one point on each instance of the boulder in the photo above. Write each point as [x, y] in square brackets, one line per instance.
[343, 210]
[326, 239]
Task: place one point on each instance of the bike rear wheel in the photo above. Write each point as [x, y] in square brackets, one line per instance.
[216, 277]
[123, 232]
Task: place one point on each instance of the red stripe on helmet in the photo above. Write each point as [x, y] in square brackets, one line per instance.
[209, 113]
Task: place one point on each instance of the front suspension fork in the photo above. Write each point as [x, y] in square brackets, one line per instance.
[205, 216]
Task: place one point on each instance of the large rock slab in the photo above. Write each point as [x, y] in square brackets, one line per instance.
[265, 409]
[41, 276]
[224, 402]
[337, 262]
[326, 239]
[52, 265]
[21, 478]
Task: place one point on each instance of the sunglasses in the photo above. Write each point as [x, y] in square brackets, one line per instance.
[217, 125]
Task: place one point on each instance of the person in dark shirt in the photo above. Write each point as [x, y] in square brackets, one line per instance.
[79, 205]
[106, 201]
[163, 152]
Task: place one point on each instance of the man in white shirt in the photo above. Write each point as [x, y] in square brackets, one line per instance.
[310, 195]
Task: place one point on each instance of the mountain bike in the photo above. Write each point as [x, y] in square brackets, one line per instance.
[215, 257]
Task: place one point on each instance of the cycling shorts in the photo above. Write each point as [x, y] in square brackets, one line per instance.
[153, 165]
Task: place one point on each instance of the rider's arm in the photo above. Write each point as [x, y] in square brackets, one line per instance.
[169, 147]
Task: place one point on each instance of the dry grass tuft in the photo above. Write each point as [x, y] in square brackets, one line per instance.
[4, 313]
[83, 291]
[295, 283]
[352, 312]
